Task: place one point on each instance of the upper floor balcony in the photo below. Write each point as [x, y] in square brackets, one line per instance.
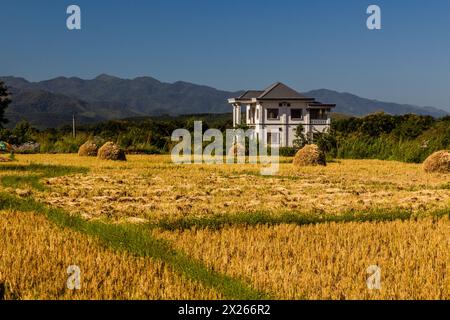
[320, 121]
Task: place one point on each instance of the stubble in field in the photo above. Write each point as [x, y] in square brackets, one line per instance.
[330, 261]
[151, 188]
[35, 255]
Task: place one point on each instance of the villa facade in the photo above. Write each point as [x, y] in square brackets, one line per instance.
[275, 113]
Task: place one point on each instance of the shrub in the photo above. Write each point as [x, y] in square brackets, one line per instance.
[28, 148]
[287, 151]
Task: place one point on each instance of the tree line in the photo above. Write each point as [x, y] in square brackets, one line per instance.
[408, 138]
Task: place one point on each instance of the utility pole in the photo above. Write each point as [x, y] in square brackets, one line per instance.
[74, 134]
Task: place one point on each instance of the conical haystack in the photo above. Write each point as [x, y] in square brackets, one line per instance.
[111, 151]
[88, 149]
[438, 162]
[236, 149]
[309, 155]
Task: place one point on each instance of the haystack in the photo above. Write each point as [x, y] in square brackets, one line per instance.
[309, 155]
[438, 162]
[88, 149]
[111, 151]
[236, 149]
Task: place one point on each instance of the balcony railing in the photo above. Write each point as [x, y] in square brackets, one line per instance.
[319, 121]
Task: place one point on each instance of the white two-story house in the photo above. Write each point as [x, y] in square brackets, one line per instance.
[275, 113]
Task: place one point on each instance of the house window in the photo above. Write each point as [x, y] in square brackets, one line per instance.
[272, 114]
[296, 114]
[273, 138]
[318, 114]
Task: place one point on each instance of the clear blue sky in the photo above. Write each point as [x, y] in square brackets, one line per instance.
[239, 44]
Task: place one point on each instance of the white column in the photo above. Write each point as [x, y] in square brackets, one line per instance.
[247, 114]
[234, 115]
[307, 121]
[287, 127]
[238, 115]
[263, 115]
[284, 126]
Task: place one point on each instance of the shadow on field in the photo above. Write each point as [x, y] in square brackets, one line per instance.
[34, 174]
[246, 219]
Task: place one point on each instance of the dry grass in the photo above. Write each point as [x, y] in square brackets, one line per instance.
[35, 254]
[329, 261]
[151, 188]
[324, 261]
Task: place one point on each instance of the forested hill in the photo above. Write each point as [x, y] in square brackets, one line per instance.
[51, 103]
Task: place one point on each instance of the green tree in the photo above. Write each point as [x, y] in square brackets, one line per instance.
[410, 126]
[300, 137]
[23, 132]
[379, 123]
[4, 103]
[327, 142]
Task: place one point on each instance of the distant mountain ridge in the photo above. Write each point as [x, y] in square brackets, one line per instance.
[353, 105]
[51, 103]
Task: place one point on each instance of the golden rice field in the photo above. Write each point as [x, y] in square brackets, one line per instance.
[35, 255]
[329, 261]
[149, 188]
[325, 260]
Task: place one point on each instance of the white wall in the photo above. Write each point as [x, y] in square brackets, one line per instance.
[285, 125]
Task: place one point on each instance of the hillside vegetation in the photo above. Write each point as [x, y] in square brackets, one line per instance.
[408, 138]
[50, 103]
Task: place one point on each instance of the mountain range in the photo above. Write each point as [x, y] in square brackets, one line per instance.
[51, 103]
